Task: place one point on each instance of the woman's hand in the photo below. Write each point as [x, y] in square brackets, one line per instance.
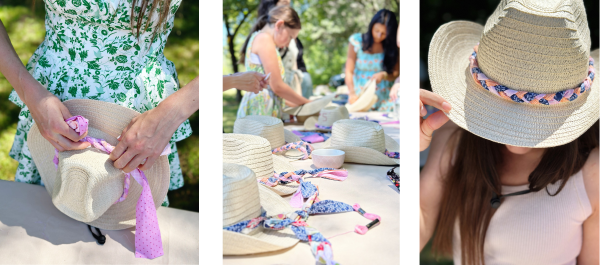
[145, 137]
[49, 113]
[394, 92]
[378, 77]
[352, 97]
[248, 81]
[435, 120]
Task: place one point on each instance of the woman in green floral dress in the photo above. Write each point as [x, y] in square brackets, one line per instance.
[100, 50]
[260, 54]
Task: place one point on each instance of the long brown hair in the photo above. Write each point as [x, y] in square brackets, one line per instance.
[473, 179]
[287, 14]
[141, 9]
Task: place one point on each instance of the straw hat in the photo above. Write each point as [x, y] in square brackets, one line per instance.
[366, 98]
[270, 128]
[364, 142]
[312, 107]
[529, 46]
[86, 184]
[327, 117]
[255, 152]
[242, 200]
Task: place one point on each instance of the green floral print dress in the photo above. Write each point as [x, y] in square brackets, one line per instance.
[266, 102]
[90, 52]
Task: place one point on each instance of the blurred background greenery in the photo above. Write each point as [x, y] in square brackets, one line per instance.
[435, 13]
[24, 22]
[326, 27]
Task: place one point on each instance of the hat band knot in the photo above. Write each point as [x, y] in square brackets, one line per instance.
[529, 97]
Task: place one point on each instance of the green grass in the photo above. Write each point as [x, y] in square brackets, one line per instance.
[26, 31]
[230, 107]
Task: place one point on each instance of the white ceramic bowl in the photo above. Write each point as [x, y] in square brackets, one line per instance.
[331, 158]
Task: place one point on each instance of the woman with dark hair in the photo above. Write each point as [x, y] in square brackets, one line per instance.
[108, 51]
[513, 178]
[260, 54]
[374, 55]
[296, 75]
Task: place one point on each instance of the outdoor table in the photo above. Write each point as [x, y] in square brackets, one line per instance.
[33, 231]
[366, 185]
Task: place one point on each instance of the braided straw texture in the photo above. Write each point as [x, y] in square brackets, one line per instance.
[270, 128]
[86, 184]
[312, 107]
[364, 142]
[255, 153]
[327, 117]
[536, 46]
[242, 200]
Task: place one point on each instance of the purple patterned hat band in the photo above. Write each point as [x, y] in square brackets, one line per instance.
[529, 97]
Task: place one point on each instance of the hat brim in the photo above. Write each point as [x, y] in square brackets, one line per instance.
[265, 240]
[494, 118]
[312, 107]
[311, 125]
[365, 155]
[290, 137]
[366, 99]
[112, 119]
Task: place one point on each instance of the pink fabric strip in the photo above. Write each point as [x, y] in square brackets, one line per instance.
[148, 242]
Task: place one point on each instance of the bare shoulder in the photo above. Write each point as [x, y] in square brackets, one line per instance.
[263, 41]
[591, 179]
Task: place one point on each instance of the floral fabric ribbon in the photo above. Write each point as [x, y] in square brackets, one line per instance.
[296, 221]
[322, 127]
[529, 97]
[395, 155]
[148, 242]
[301, 146]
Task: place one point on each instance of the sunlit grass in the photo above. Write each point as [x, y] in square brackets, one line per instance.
[230, 107]
[8, 166]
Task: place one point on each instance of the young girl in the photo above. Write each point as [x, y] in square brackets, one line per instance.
[513, 179]
[374, 55]
[260, 54]
[108, 51]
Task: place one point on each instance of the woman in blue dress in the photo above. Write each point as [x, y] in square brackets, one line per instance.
[374, 55]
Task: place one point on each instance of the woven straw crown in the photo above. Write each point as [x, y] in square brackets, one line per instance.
[331, 114]
[536, 46]
[241, 200]
[267, 127]
[358, 133]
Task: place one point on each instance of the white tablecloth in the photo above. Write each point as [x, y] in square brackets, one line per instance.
[33, 231]
[366, 185]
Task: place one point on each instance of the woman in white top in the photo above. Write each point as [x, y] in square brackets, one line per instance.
[513, 178]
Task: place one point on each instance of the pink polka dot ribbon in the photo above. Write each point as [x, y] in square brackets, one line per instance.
[148, 242]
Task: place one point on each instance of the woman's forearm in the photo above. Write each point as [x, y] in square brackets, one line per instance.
[286, 92]
[229, 82]
[349, 82]
[183, 103]
[14, 70]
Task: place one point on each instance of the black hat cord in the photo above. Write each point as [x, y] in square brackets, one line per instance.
[495, 201]
[100, 238]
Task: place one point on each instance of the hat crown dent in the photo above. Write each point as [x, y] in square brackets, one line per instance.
[358, 133]
[85, 187]
[329, 115]
[241, 200]
[536, 46]
[268, 127]
[248, 150]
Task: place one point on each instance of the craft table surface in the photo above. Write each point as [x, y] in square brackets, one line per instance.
[33, 231]
[366, 185]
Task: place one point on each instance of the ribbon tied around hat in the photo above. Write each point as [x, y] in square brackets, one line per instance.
[529, 97]
[284, 178]
[147, 231]
[296, 221]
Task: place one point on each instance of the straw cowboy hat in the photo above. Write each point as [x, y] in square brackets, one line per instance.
[533, 58]
[364, 142]
[255, 152]
[86, 185]
[270, 128]
[244, 199]
[327, 117]
[366, 98]
[310, 108]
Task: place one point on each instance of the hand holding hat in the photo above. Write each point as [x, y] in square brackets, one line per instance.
[435, 120]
